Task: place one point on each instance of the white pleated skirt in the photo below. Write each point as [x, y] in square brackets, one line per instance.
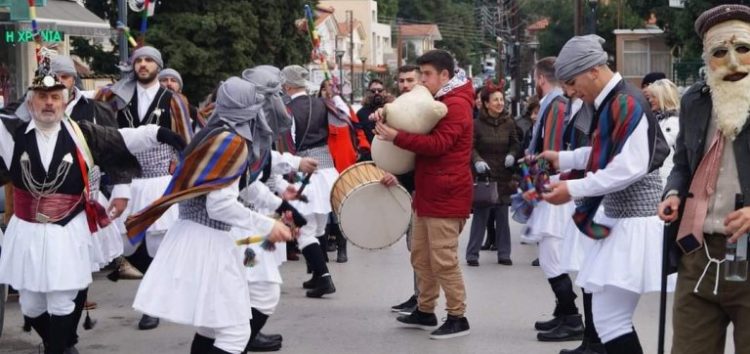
[145, 191]
[318, 192]
[197, 278]
[574, 248]
[629, 258]
[266, 268]
[46, 257]
[548, 220]
[107, 243]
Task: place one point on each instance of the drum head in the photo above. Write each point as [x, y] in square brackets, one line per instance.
[374, 216]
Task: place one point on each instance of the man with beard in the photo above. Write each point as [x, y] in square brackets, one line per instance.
[547, 224]
[710, 169]
[140, 100]
[621, 174]
[53, 164]
[408, 77]
[172, 80]
[375, 97]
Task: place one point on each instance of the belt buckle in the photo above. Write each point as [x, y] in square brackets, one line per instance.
[42, 219]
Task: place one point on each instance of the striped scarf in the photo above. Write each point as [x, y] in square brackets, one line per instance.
[212, 164]
[554, 126]
[618, 117]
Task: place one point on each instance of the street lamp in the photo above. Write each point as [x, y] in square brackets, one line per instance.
[340, 63]
[363, 60]
[533, 45]
[593, 4]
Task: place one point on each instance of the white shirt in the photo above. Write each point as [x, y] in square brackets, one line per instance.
[627, 167]
[45, 141]
[145, 97]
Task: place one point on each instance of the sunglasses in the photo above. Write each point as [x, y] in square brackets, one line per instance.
[376, 90]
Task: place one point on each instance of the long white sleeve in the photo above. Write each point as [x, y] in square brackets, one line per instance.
[574, 160]
[140, 139]
[121, 191]
[223, 205]
[625, 168]
[260, 196]
[283, 163]
[7, 144]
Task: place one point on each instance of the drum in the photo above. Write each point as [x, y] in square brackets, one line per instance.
[371, 215]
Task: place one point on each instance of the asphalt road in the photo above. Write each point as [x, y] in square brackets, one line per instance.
[503, 303]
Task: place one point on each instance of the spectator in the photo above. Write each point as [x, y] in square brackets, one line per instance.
[375, 97]
[665, 103]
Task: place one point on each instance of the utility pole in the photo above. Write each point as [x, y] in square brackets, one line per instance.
[122, 16]
[516, 61]
[579, 18]
[350, 16]
[399, 43]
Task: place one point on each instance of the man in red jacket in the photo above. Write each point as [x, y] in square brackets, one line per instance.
[442, 201]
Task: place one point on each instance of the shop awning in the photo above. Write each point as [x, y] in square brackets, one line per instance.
[70, 18]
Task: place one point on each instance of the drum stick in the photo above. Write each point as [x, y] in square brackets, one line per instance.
[302, 187]
[250, 240]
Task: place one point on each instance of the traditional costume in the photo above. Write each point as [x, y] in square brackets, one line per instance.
[139, 105]
[53, 169]
[621, 174]
[197, 278]
[710, 169]
[548, 225]
[309, 138]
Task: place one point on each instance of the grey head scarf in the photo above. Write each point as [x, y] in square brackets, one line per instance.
[267, 79]
[125, 88]
[240, 105]
[579, 54]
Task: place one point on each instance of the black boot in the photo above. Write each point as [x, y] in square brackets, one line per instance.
[550, 324]
[201, 344]
[570, 329]
[624, 344]
[257, 342]
[341, 256]
[324, 286]
[323, 240]
[147, 322]
[60, 328]
[79, 302]
[40, 325]
[310, 284]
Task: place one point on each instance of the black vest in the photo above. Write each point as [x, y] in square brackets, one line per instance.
[26, 142]
[128, 116]
[310, 122]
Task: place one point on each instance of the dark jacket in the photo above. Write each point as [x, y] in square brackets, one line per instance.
[695, 115]
[365, 124]
[495, 138]
[310, 127]
[442, 173]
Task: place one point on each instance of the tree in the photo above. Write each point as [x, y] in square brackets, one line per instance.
[387, 8]
[455, 20]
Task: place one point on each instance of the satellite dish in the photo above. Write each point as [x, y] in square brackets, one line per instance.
[137, 5]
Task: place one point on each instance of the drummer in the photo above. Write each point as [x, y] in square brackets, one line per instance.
[442, 200]
[408, 77]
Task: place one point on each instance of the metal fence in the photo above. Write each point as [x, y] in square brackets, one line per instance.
[687, 71]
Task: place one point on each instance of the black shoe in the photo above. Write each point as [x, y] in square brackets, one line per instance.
[273, 337]
[473, 263]
[418, 319]
[341, 256]
[570, 329]
[310, 284]
[452, 327]
[147, 322]
[408, 303]
[323, 286]
[535, 262]
[408, 310]
[485, 247]
[506, 262]
[547, 325]
[263, 344]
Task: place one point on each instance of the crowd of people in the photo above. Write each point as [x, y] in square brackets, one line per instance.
[204, 203]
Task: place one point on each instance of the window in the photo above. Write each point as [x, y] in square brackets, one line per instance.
[644, 55]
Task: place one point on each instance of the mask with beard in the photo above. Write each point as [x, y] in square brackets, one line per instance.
[378, 101]
[727, 56]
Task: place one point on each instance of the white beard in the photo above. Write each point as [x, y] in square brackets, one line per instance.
[731, 102]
